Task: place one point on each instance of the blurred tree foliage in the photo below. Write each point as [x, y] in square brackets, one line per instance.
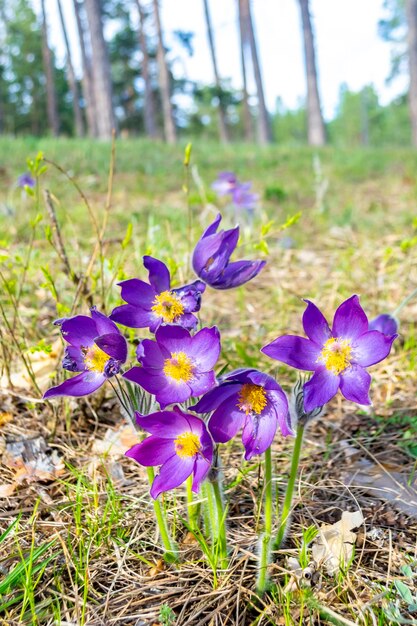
[360, 119]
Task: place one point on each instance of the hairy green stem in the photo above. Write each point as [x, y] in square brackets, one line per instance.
[266, 537]
[221, 524]
[191, 507]
[404, 302]
[171, 550]
[286, 508]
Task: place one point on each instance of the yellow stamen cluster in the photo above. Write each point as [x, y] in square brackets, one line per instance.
[336, 355]
[188, 444]
[179, 367]
[252, 399]
[168, 306]
[95, 359]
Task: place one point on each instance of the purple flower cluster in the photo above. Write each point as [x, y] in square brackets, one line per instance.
[227, 184]
[338, 356]
[179, 363]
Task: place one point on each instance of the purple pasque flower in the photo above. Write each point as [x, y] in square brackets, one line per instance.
[96, 348]
[243, 198]
[337, 356]
[211, 259]
[150, 305]
[177, 366]
[225, 183]
[385, 323]
[26, 180]
[179, 443]
[248, 399]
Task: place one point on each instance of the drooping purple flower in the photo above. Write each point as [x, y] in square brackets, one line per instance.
[225, 183]
[96, 348]
[243, 198]
[385, 323]
[179, 443]
[337, 356]
[26, 180]
[150, 305]
[177, 366]
[250, 400]
[211, 259]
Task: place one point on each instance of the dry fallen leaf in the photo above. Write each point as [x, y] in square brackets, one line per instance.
[334, 543]
[32, 460]
[157, 568]
[116, 442]
[43, 365]
[5, 418]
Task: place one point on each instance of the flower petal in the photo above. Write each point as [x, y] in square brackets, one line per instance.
[173, 338]
[385, 323]
[172, 474]
[372, 347]
[320, 389]
[202, 383]
[81, 385]
[151, 355]
[236, 274]
[205, 348]
[201, 469]
[277, 402]
[79, 331]
[259, 432]
[355, 383]
[152, 383]
[113, 344]
[137, 292]
[159, 276]
[172, 392]
[315, 324]
[132, 316]
[350, 320]
[152, 451]
[190, 295]
[226, 420]
[104, 325]
[216, 396]
[295, 351]
[164, 424]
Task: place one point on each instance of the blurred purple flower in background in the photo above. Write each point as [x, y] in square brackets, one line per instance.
[243, 198]
[96, 348]
[338, 356]
[225, 183]
[240, 194]
[179, 443]
[177, 366]
[150, 305]
[211, 259]
[26, 180]
[250, 400]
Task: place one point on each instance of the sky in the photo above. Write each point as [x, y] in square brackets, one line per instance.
[348, 47]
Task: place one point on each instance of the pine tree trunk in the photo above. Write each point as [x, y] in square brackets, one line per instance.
[223, 132]
[264, 128]
[164, 82]
[52, 108]
[247, 117]
[87, 81]
[78, 118]
[315, 123]
[149, 108]
[411, 12]
[101, 72]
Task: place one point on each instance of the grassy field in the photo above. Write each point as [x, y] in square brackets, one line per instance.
[78, 543]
